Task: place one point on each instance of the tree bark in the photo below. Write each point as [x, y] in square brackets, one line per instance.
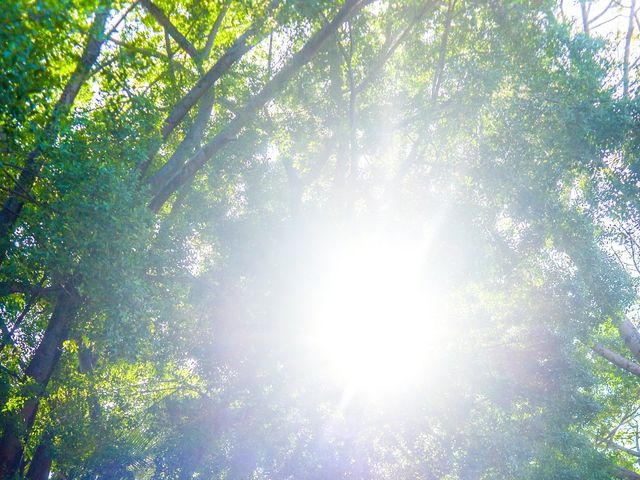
[172, 181]
[617, 359]
[630, 451]
[626, 474]
[224, 63]
[48, 352]
[40, 370]
[585, 17]
[192, 140]
[40, 465]
[631, 337]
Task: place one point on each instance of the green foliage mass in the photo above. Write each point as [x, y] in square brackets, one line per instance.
[490, 132]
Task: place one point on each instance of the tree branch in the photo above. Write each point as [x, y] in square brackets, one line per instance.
[627, 49]
[617, 359]
[386, 56]
[630, 336]
[8, 288]
[192, 140]
[211, 38]
[626, 474]
[172, 181]
[224, 63]
[170, 28]
[630, 451]
[437, 77]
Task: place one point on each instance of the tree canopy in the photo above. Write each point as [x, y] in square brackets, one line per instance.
[293, 239]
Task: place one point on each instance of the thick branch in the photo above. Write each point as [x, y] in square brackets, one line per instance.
[585, 17]
[40, 465]
[617, 359]
[630, 451]
[631, 337]
[626, 474]
[173, 181]
[224, 63]
[192, 140]
[40, 369]
[8, 288]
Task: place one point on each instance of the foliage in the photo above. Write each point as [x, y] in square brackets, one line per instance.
[488, 131]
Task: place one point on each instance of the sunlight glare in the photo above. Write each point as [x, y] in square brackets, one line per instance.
[374, 316]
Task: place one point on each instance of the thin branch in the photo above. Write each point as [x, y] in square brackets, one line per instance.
[211, 38]
[122, 17]
[146, 52]
[22, 191]
[632, 244]
[630, 414]
[605, 10]
[437, 77]
[8, 335]
[627, 49]
[388, 54]
[607, 21]
[167, 45]
[406, 164]
[320, 160]
[170, 28]
[22, 196]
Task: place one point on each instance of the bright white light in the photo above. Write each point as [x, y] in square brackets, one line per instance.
[374, 318]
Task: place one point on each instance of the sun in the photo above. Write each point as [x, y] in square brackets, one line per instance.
[375, 321]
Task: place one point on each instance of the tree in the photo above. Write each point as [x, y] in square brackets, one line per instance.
[159, 189]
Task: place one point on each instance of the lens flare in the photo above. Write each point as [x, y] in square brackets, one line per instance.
[374, 319]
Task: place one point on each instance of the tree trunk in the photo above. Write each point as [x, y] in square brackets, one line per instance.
[39, 369]
[40, 465]
[48, 352]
